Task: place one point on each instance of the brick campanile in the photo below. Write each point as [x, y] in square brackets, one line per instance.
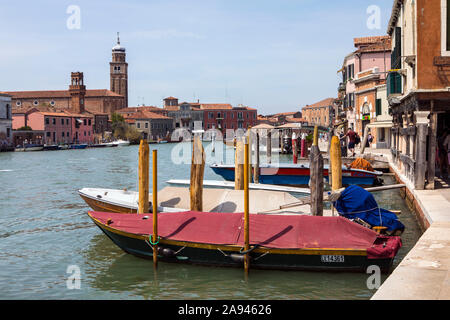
[119, 71]
[77, 91]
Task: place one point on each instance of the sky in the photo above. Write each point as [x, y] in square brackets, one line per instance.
[277, 56]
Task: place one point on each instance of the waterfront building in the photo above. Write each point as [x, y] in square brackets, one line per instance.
[283, 118]
[221, 116]
[131, 110]
[154, 126]
[97, 101]
[371, 107]
[5, 122]
[319, 113]
[417, 86]
[55, 127]
[224, 116]
[362, 70]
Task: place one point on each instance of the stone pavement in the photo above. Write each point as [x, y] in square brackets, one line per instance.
[424, 274]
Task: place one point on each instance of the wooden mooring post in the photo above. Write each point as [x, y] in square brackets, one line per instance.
[143, 168]
[239, 179]
[256, 167]
[246, 209]
[155, 207]
[316, 176]
[197, 172]
[335, 164]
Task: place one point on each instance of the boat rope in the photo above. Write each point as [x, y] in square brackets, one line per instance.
[226, 255]
[179, 250]
[150, 239]
[249, 250]
[262, 255]
[376, 208]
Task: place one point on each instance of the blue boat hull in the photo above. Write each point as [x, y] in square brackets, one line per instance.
[228, 175]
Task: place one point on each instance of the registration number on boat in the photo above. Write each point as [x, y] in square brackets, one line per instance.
[332, 258]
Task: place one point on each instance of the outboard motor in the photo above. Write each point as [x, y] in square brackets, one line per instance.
[287, 145]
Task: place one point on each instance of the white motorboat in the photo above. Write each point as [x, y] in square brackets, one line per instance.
[121, 142]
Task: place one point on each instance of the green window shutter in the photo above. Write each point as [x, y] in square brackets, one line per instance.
[378, 107]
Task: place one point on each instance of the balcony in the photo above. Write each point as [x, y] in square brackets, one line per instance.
[394, 84]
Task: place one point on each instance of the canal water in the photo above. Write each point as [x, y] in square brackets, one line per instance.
[44, 230]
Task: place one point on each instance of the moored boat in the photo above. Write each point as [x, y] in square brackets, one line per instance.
[298, 174]
[78, 146]
[52, 147]
[121, 142]
[115, 200]
[287, 242]
[30, 147]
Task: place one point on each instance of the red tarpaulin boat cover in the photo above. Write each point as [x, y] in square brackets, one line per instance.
[272, 231]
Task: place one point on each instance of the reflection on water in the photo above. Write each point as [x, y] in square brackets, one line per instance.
[44, 229]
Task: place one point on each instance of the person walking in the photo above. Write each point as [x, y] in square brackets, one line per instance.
[351, 140]
[447, 151]
[443, 143]
[369, 139]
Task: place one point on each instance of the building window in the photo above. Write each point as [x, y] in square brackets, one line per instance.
[67, 134]
[35, 102]
[89, 121]
[18, 103]
[378, 107]
[48, 134]
[211, 115]
[62, 134]
[84, 122]
[67, 121]
[146, 125]
[351, 71]
[62, 121]
[85, 133]
[138, 125]
[53, 120]
[8, 132]
[52, 103]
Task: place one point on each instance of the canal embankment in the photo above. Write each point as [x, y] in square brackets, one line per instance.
[424, 273]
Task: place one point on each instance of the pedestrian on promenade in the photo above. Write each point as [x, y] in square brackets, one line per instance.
[443, 143]
[351, 140]
[447, 150]
[369, 139]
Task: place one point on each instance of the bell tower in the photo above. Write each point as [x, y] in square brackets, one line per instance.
[77, 91]
[119, 71]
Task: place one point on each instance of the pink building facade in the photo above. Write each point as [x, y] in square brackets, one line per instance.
[371, 53]
[58, 127]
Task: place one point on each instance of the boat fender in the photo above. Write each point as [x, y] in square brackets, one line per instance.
[166, 252]
[238, 258]
[99, 196]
